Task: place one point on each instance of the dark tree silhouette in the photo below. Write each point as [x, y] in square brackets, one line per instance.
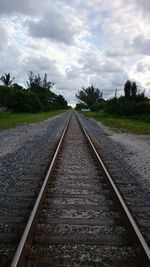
[134, 89]
[61, 102]
[5, 95]
[127, 89]
[6, 80]
[37, 97]
[89, 95]
[35, 81]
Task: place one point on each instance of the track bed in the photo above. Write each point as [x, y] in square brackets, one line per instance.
[79, 225]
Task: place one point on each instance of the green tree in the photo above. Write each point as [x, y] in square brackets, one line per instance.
[89, 95]
[41, 88]
[35, 82]
[6, 80]
[16, 87]
[5, 95]
[37, 97]
[18, 101]
[80, 106]
[127, 89]
[61, 102]
[133, 89]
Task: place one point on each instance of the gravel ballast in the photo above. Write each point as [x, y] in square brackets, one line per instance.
[25, 154]
[127, 159]
[24, 145]
[26, 148]
[79, 220]
[131, 152]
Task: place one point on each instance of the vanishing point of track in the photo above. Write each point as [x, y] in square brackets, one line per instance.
[80, 218]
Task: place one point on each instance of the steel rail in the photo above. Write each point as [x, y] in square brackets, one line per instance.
[25, 242]
[139, 243]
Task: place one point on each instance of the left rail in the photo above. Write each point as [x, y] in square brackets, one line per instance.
[25, 242]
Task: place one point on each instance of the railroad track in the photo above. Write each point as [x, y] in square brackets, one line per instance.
[79, 218]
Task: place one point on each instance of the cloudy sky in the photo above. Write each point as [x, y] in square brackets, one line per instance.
[77, 43]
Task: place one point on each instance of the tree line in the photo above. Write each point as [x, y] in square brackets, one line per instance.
[132, 102]
[37, 97]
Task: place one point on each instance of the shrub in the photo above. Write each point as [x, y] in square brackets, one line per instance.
[99, 105]
[5, 95]
[122, 106]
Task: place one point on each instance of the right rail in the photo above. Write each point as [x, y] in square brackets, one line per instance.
[139, 243]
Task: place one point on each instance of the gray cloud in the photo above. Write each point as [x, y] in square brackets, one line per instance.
[111, 67]
[117, 52]
[10, 58]
[148, 85]
[142, 67]
[74, 72]
[144, 6]
[92, 64]
[119, 79]
[43, 65]
[102, 73]
[3, 41]
[113, 52]
[24, 6]
[142, 45]
[55, 25]
[38, 64]
[107, 80]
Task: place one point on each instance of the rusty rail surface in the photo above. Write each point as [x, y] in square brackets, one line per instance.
[140, 246]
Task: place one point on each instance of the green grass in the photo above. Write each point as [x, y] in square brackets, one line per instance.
[139, 124]
[9, 119]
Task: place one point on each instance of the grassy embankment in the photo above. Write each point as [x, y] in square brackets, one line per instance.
[139, 124]
[9, 119]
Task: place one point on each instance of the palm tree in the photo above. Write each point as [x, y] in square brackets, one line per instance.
[6, 79]
[89, 95]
